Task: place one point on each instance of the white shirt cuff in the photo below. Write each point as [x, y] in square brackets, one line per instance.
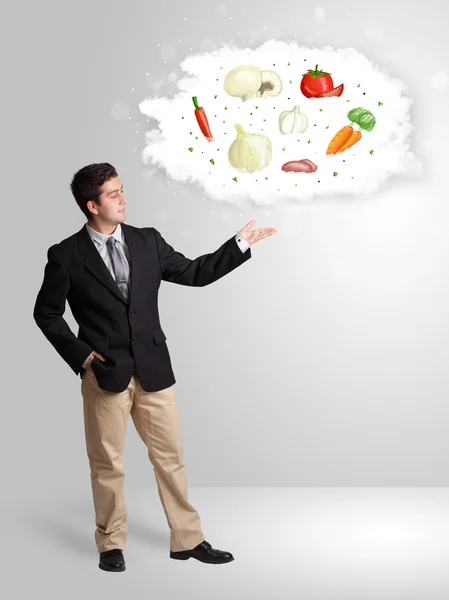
[85, 362]
[242, 243]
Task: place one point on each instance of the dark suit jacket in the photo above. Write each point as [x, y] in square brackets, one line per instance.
[127, 334]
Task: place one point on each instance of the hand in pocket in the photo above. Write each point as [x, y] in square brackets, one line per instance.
[91, 357]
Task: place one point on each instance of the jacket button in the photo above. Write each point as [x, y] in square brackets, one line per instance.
[134, 338]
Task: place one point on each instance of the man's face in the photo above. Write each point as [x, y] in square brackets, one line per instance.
[111, 210]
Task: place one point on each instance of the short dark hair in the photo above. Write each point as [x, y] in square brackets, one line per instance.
[86, 184]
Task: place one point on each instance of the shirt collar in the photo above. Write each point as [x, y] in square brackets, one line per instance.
[102, 238]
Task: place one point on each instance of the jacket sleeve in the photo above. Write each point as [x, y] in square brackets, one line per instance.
[49, 308]
[201, 271]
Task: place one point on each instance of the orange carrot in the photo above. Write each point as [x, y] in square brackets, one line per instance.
[355, 137]
[339, 139]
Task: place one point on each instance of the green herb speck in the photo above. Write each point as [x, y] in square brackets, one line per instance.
[309, 141]
[266, 177]
[348, 100]
[234, 179]
[226, 108]
[335, 173]
[283, 149]
[265, 120]
[288, 64]
[358, 85]
[257, 107]
[321, 110]
[215, 97]
[191, 133]
[371, 152]
[212, 161]
[290, 80]
[380, 104]
[196, 137]
[190, 149]
[327, 127]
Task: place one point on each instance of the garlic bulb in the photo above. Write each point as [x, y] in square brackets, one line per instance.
[249, 152]
[293, 121]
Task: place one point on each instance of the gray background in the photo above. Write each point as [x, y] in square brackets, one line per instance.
[322, 361]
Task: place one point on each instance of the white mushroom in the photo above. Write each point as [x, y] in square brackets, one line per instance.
[271, 84]
[248, 81]
[243, 81]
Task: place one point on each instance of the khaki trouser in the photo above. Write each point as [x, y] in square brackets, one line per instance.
[155, 416]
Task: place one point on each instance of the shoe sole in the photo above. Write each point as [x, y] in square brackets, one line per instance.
[220, 562]
[103, 568]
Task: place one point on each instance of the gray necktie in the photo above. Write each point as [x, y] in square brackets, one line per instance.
[117, 265]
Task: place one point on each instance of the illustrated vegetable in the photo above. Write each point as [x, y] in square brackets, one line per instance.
[319, 84]
[335, 92]
[347, 137]
[202, 120]
[271, 84]
[243, 81]
[249, 152]
[353, 138]
[293, 121]
[300, 166]
[364, 118]
[340, 139]
[248, 81]
[316, 82]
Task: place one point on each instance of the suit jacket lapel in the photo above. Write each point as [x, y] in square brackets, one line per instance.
[96, 265]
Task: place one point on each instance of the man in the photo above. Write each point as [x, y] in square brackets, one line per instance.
[110, 274]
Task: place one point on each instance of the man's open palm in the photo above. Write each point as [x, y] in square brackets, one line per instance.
[256, 234]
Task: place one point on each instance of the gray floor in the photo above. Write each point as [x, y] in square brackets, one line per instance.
[302, 543]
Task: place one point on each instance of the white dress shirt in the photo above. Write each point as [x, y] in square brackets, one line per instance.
[100, 240]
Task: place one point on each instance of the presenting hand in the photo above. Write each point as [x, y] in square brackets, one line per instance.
[257, 234]
[90, 359]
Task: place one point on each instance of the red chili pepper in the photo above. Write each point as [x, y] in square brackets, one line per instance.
[202, 120]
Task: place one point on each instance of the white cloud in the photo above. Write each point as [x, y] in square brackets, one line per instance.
[359, 171]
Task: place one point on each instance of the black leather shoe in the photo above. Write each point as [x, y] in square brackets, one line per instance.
[205, 553]
[112, 560]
